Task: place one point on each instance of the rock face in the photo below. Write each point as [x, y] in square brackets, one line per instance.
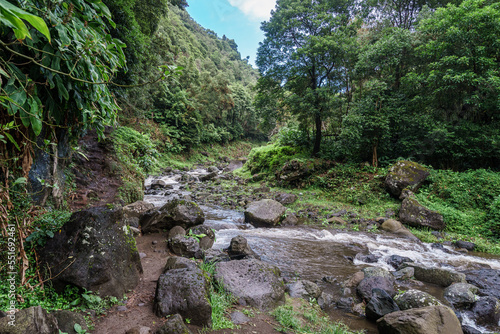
[253, 282]
[415, 214]
[33, 320]
[439, 276]
[405, 174]
[380, 304]
[393, 226]
[264, 213]
[415, 299]
[177, 212]
[304, 289]
[239, 249]
[426, 320]
[461, 294]
[94, 250]
[184, 291]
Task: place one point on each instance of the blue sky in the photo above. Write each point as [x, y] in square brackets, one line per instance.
[237, 19]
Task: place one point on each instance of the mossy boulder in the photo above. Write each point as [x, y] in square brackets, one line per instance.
[405, 174]
[415, 299]
[94, 250]
[294, 171]
[174, 213]
[415, 214]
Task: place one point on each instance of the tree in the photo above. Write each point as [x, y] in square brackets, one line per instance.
[303, 53]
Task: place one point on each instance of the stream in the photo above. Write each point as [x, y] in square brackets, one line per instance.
[322, 255]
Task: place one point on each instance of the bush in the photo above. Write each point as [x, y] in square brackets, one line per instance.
[271, 157]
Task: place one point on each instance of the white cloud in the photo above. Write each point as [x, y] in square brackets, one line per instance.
[256, 9]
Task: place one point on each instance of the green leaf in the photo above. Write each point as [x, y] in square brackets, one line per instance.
[11, 139]
[21, 180]
[36, 122]
[14, 15]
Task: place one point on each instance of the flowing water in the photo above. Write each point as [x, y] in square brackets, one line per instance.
[313, 254]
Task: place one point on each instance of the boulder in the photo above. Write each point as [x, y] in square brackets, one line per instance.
[461, 295]
[415, 214]
[264, 213]
[326, 301]
[304, 289]
[175, 231]
[285, 198]
[395, 260]
[136, 209]
[294, 171]
[139, 330]
[33, 320]
[394, 226]
[354, 280]
[215, 255]
[379, 305]
[252, 282]
[178, 262]
[438, 276]
[66, 321]
[239, 249]
[366, 286]
[405, 174]
[239, 318]
[234, 164]
[187, 247]
[470, 246]
[367, 258]
[487, 280]
[205, 235]
[404, 274]
[431, 319]
[376, 271]
[184, 291]
[173, 325]
[177, 212]
[415, 299]
[94, 250]
[290, 220]
[487, 311]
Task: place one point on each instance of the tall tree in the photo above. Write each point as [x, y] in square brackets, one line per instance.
[303, 53]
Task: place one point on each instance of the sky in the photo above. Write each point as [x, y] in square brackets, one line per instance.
[237, 19]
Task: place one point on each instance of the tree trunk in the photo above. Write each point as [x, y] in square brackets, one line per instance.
[375, 156]
[317, 139]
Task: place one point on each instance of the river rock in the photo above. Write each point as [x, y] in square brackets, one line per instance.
[253, 282]
[94, 250]
[405, 174]
[326, 301]
[66, 321]
[395, 260]
[175, 231]
[234, 164]
[139, 330]
[379, 305]
[426, 320]
[205, 235]
[367, 258]
[415, 299]
[354, 280]
[136, 209]
[404, 274]
[366, 286]
[290, 220]
[394, 226]
[461, 294]
[285, 198]
[470, 330]
[183, 291]
[304, 289]
[487, 280]
[174, 325]
[187, 247]
[239, 318]
[215, 255]
[487, 311]
[438, 276]
[415, 214]
[336, 220]
[179, 262]
[470, 246]
[377, 272]
[177, 212]
[33, 320]
[209, 176]
[264, 213]
[239, 249]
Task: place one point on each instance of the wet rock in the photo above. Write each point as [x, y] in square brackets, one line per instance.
[379, 305]
[487, 280]
[487, 311]
[175, 213]
[178, 262]
[395, 260]
[393, 226]
[438, 276]
[205, 235]
[366, 286]
[212, 169]
[470, 246]
[215, 255]
[304, 289]
[370, 258]
[326, 301]
[175, 231]
[252, 282]
[461, 294]
[440, 247]
[264, 213]
[431, 319]
[94, 250]
[66, 321]
[239, 318]
[285, 198]
[290, 220]
[470, 330]
[183, 291]
[377, 272]
[209, 176]
[239, 249]
[33, 320]
[345, 303]
[405, 174]
[415, 299]
[187, 247]
[174, 325]
[354, 280]
[139, 330]
[415, 214]
[359, 309]
[404, 274]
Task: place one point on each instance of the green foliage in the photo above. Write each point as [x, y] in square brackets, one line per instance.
[46, 225]
[271, 157]
[136, 149]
